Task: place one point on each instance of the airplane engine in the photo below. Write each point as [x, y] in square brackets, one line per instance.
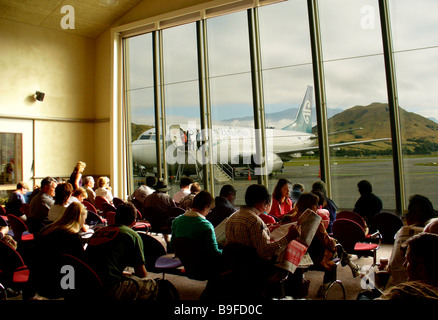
[274, 163]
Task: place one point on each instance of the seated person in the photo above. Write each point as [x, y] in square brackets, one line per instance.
[40, 205]
[88, 186]
[323, 248]
[16, 199]
[432, 226]
[420, 263]
[420, 211]
[223, 205]
[194, 225]
[186, 202]
[248, 236]
[62, 196]
[319, 185]
[103, 189]
[368, 204]
[297, 189]
[111, 249]
[323, 213]
[144, 189]
[58, 238]
[281, 202]
[184, 189]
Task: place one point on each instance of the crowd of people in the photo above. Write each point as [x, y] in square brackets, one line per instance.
[57, 218]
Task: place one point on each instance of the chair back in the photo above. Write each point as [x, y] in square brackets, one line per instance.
[89, 206]
[25, 208]
[107, 207]
[159, 222]
[18, 227]
[192, 255]
[11, 265]
[348, 233]
[3, 221]
[98, 201]
[153, 249]
[111, 217]
[138, 204]
[117, 201]
[350, 215]
[93, 218]
[387, 224]
[2, 211]
[87, 284]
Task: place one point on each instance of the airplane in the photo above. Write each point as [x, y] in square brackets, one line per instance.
[234, 146]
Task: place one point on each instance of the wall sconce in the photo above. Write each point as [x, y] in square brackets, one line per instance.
[39, 95]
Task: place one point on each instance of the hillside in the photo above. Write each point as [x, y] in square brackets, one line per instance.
[374, 121]
[138, 129]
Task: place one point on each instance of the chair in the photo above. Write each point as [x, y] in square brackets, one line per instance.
[25, 207]
[2, 211]
[117, 201]
[98, 202]
[352, 237]
[19, 229]
[89, 206]
[14, 272]
[3, 221]
[159, 223]
[155, 256]
[352, 216]
[107, 207]
[111, 218]
[137, 204]
[387, 224]
[141, 225]
[94, 219]
[87, 284]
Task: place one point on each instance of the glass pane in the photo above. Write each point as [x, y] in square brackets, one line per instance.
[356, 101]
[140, 108]
[11, 158]
[231, 100]
[287, 73]
[182, 102]
[416, 52]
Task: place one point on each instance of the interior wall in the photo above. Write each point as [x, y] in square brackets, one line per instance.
[62, 66]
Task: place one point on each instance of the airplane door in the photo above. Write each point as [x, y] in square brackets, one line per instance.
[177, 135]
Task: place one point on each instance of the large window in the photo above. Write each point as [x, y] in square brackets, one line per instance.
[357, 108]
[416, 51]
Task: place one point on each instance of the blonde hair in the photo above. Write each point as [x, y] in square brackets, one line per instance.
[71, 221]
[102, 181]
[80, 165]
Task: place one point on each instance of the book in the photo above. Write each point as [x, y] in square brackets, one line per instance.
[219, 231]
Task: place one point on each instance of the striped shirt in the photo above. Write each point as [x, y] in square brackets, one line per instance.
[247, 228]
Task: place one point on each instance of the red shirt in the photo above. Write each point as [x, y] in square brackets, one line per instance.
[279, 210]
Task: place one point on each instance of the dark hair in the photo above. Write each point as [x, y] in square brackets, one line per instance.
[195, 188]
[202, 200]
[319, 185]
[47, 181]
[185, 182]
[277, 190]
[306, 200]
[364, 187]
[62, 192]
[320, 196]
[420, 210]
[227, 190]
[255, 194]
[422, 247]
[150, 181]
[126, 214]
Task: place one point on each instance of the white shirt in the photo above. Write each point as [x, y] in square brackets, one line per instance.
[180, 194]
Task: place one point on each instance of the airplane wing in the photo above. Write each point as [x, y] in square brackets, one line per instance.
[288, 154]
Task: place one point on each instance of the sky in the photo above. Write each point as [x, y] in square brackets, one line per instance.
[352, 51]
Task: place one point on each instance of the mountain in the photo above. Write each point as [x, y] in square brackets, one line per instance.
[374, 121]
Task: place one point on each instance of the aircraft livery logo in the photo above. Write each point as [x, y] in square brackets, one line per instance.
[307, 111]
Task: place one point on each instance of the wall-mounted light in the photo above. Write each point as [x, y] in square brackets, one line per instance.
[39, 95]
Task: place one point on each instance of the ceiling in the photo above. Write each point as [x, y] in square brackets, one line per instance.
[90, 17]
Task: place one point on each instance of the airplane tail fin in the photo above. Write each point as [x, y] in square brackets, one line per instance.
[303, 121]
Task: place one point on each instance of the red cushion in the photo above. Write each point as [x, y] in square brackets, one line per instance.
[27, 237]
[365, 246]
[21, 275]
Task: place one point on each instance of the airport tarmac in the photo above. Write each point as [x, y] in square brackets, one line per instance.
[420, 176]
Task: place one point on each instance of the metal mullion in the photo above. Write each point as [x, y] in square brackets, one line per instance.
[320, 98]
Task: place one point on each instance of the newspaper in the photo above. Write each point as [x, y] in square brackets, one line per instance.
[295, 254]
[219, 231]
